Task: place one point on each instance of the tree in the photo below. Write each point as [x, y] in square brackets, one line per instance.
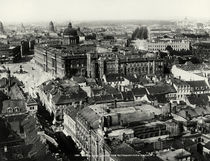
[195, 60]
[140, 33]
[169, 48]
[145, 33]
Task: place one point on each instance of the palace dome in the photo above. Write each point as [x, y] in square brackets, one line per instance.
[69, 31]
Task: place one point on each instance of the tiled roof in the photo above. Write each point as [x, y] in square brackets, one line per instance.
[15, 80]
[189, 66]
[198, 85]
[114, 77]
[111, 90]
[199, 100]
[103, 99]
[72, 111]
[31, 101]
[179, 82]
[124, 152]
[3, 97]
[160, 89]
[139, 91]
[90, 116]
[188, 110]
[3, 82]
[207, 145]
[152, 158]
[203, 45]
[161, 98]
[64, 98]
[128, 96]
[13, 104]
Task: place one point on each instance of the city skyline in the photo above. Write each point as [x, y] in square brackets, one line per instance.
[83, 10]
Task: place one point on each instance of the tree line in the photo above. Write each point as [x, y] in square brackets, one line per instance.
[140, 33]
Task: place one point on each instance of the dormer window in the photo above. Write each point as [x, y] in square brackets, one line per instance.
[17, 109]
[9, 110]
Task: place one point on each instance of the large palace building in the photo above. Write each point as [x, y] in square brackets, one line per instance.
[62, 61]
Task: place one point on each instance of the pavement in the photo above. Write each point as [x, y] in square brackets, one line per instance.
[32, 77]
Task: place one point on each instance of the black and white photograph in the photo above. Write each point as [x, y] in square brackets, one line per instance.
[104, 80]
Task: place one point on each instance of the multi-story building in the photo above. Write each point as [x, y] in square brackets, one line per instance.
[191, 72]
[175, 44]
[9, 54]
[62, 61]
[59, 96]
[182, 89]
[97, 127]
[97, 66]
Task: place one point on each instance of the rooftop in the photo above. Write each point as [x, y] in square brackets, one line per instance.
[174, 155]
[189, 66]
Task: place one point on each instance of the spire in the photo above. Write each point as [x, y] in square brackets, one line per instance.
[9, 78]
[70, 25]
[22, 28]
[1, 27]
[51, 27]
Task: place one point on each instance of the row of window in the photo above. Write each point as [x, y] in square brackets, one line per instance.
[12, 110]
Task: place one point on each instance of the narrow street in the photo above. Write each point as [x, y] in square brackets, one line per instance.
[66, 149]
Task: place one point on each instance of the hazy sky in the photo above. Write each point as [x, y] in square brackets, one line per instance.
[59, 10]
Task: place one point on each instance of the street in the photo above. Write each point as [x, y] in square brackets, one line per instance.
[66, 149]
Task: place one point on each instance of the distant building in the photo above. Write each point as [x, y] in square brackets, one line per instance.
[175, 44]
[72, 35]
[1, 28]
[51, 27]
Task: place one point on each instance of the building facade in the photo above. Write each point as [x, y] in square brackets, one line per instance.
[60, 63]
[98, 66]
[176, 45]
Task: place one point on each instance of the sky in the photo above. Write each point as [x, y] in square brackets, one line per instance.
[85, 10]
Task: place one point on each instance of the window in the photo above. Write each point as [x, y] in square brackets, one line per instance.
[53, 62]
[9, 110]
[17, 109]
[32, 108]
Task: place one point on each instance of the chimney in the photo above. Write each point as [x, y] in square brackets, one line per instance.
[115, 103]
[153, 66]
[186, 113]
[174, 109]
[170, 108]
[102, 123]
[119, 118]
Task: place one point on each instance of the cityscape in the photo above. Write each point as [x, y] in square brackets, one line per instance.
[102, 80]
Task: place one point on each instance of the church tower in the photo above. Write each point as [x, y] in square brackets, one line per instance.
[101, 67]
[51, 27]
[1, 28]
